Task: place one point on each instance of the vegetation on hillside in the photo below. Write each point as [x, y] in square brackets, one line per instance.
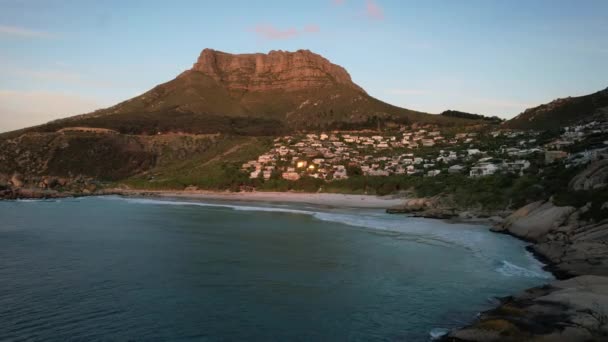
[464, 115]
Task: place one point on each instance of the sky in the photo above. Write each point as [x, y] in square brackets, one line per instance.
[60, 58]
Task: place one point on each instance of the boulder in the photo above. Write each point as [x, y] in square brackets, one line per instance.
[569, 310]
[595, 176]
[534, 221]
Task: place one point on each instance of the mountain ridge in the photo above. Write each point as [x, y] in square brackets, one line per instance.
[252, 94]
[562, 112]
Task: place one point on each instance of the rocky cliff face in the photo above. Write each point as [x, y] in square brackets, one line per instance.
[277, 70]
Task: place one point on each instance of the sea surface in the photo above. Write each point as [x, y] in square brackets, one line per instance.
[118, 269]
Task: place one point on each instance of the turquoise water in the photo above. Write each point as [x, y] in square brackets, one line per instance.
[143, 269]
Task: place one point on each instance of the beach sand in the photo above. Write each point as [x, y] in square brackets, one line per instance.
[326, 199]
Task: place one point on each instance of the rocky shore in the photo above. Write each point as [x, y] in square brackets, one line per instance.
[575, 249]
[572, 309]
[45, 187]
[573, 245]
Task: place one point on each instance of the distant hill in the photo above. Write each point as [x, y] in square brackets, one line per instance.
[562, 112]
[464, 115]
[252, 94]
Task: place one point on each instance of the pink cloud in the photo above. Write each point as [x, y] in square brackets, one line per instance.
[312, 29]
[373, 10]
[338, 2]
[271, 32]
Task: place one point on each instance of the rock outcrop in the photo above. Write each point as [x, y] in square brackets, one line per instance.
[576, 249]
[444, 207]
[535, 220]
[595, 176]
[277, 70]
[569, 310]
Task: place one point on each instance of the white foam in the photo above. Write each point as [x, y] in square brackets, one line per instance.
[218, 205]
[511, 270]
[426, 231]
[437, 333]
[473, 238]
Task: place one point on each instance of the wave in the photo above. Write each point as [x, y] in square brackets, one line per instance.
[217, 205]
[479, 242]
[422, 230]
[32, 200]
[437, 333]
[511, 270]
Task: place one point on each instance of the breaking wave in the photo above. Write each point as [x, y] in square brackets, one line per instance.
[511, 270]
[477, 241]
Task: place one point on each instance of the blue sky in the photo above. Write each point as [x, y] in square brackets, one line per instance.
[59, 58]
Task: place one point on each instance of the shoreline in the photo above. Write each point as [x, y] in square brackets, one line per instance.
[500, 317]
[322, 199]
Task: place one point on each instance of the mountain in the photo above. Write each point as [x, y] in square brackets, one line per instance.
[251, 94]
[246, 98]
[562, 112]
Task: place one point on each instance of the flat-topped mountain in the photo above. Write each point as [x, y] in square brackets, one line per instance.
[277, 70]
[562, 112]
[252, 94]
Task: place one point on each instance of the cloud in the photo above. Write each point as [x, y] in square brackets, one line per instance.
[273, 33]
[270, 32]
[338, 2]
[15, 31]
[373, 10]
[19, 109]
[312, 29]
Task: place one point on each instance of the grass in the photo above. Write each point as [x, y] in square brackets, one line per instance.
[217, 168]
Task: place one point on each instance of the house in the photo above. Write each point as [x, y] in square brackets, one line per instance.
[265, 158]
[473, 151]
[455, 169]
[340, 173]
[290, 175]
[517, 166]
[377, 173]
[551, 156]
[428, 142]
[255, 174]
[483, 169]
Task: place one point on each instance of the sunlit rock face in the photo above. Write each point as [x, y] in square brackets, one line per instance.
[284, 70]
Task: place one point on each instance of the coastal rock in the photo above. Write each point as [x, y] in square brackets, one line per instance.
[535, 220]
[568, 310]
[577, 251]
[595, 176]
[17, 180]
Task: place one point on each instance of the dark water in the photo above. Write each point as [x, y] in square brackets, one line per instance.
[116, 269]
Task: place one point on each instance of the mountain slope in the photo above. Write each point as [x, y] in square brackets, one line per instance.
[562, 112]
[253, 94]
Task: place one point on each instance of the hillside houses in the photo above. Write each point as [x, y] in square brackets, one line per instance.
[425, 152]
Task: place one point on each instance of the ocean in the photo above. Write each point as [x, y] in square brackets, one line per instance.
[113, 268]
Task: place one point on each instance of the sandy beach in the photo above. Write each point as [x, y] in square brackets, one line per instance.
[332, 200]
